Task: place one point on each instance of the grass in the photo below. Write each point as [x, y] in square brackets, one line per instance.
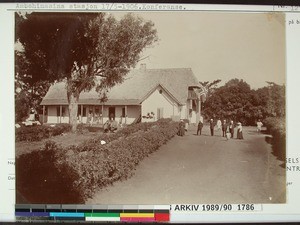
[24, 147]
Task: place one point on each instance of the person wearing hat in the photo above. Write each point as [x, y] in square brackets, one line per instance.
[200, 126]
[224, 127]
[239, 131]
[212, 127]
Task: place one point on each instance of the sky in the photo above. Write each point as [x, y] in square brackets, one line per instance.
[220, 45]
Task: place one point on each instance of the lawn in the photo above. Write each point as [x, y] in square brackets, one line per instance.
[65, 139]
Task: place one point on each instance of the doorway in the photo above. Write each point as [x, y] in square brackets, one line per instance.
[111, 113]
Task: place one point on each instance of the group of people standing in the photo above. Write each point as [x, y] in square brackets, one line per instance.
[226, 128]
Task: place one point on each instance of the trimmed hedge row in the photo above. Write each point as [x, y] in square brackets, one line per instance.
[126, 131]
[41, 178]
[37, 133]
[99, 165]
[277, 128]
[89, 166]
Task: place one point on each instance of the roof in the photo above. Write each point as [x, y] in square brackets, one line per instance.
[137, 86]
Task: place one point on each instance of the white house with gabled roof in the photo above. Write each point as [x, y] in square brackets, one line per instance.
[145, 95]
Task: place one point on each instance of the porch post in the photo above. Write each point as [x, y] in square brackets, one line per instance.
[93, 113]
[81, 112]
[43, 114]
[198, 110]
[60, 112]
[199, 105]
[173, 108]
[191, 107]
[125, 114]
[102, 112]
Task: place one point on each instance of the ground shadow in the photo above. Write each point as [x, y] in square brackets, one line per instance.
[251, 132]
[206, 135]
[278, 149]
[254, 132]
[41, 180]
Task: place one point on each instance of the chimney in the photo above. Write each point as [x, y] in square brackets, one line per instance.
[143, 66]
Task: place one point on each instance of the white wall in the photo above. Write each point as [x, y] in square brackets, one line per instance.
[52, 117]
[133, 112]
[65, 115]
[183, 112]
[157, 100]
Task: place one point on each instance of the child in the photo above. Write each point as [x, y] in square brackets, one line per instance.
[228, 135]
[259, 125]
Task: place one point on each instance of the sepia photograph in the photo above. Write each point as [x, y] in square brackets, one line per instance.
[150, 107]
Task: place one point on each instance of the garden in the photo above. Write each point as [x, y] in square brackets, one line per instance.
[71, 174]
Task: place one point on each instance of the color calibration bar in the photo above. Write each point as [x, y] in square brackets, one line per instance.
[122, 213]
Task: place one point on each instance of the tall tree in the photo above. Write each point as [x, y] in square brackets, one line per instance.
[272, 98]
[237, 101]
[210, 86]
[28, 91]
[231, 101]
[88, 50]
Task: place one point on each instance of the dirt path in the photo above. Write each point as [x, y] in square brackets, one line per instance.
[203, 169]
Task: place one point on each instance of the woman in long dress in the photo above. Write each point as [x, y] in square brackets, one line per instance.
[231, 129]
[181, 128]
[239, 131]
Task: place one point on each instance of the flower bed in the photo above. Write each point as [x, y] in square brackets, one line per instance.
[37, 133]
[91, 165]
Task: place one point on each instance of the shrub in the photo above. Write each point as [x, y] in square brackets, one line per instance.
[276, 127]
[99, 165]
[43, 178]
[37, 133]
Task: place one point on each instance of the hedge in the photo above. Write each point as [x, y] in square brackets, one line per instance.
[37, 133]
[276, 126]
[99, 165]
[40, 177]
[126, 131]
[91, 165]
